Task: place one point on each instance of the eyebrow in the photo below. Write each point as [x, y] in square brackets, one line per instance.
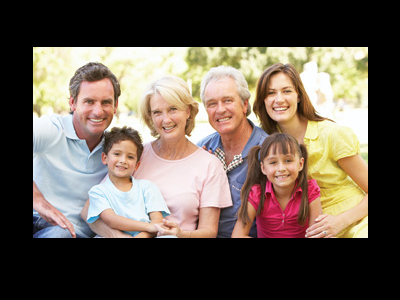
[289, 86]
[274, 156]
[223, 97]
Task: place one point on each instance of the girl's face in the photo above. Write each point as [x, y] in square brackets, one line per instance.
[282, 169]
[168, 120]
[282, 98]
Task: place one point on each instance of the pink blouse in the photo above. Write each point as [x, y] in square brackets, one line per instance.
[273, 222]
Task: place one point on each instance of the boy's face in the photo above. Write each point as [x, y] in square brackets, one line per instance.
[121, 159]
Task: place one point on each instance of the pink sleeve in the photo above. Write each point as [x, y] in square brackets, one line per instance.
[313, 190]
[254, 196]
[215, 192]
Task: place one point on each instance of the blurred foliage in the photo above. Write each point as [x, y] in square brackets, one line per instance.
[136, 67]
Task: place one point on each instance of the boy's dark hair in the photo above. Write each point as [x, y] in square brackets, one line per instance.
[116, 135]
[93, 71]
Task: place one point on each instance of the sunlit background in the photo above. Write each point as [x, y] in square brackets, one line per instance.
[336, 78]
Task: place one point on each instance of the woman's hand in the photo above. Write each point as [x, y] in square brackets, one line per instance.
[326, 226]
[168, 228]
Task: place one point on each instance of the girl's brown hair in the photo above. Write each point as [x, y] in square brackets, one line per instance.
[305, 108]
[277, 142]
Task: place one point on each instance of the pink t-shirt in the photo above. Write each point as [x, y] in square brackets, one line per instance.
[186, 184]
[273, 222]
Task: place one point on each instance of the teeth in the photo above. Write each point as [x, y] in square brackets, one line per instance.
[282, 176]
[222, 120]
[281, 108]
[96, 120]
[168, 128]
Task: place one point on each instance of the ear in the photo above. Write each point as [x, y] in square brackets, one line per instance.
[189, 109]
[137, 166]
[104, 158]
[245, 105]
[72, 103]
[115, 107]
[263, 170]
[301, 163]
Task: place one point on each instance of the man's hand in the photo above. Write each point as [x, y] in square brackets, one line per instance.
[49, 213]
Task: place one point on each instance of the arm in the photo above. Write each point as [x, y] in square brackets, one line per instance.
[207, 228]
[115, 221]
[357, 169]
[241, 230]
[49, 213]
[101, 228]
[315, 210]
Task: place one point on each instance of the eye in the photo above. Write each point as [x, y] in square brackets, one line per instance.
[211, 104]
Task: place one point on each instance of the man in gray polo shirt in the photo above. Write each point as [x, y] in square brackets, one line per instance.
[225, 95]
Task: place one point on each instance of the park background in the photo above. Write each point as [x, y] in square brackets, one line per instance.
[345, 68]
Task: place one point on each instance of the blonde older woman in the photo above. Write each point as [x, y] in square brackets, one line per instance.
[191, 180]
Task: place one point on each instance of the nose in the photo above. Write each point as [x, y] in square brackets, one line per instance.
[97, 109]
[278, 97]
[221, 107]
[122, 159]
[281, 167]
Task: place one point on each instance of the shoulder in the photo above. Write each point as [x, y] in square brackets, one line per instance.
[341, 140]
[210, 141]
[313, 190]
[101, 186]
[47, 131]
[144, 184]
[255, 192]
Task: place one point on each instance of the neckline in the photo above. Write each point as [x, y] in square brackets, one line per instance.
[176, 160]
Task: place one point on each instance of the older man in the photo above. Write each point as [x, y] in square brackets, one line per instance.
[225, 95]
[67, 153]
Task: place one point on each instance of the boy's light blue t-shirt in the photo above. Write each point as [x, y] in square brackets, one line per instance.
[143, 198]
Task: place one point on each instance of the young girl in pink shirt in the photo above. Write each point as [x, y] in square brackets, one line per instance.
[276, 191]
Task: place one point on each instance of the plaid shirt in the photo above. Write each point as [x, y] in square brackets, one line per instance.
[237, 160]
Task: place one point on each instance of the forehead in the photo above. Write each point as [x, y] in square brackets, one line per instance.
[101, 89]
[279, 80]
[281, 149]
[125, 145]
[221, 88]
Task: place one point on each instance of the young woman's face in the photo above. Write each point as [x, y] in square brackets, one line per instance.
[282, 169]
[282, 98]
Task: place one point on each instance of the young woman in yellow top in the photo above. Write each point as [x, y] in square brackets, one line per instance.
[282, 104]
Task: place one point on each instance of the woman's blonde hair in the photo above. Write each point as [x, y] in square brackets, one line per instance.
[176, 92]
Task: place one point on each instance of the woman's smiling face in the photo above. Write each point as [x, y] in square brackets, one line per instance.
[169, 121]
[282, 98]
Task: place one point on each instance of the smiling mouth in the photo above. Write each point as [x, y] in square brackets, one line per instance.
[224, 119]
[97, 120]
[282, 176]
[280, 108]
[169, 128]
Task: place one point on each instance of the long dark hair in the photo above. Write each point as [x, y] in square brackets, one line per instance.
[286, 144]
[305, 108]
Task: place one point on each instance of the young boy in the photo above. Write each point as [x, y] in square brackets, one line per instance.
[123, 202]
